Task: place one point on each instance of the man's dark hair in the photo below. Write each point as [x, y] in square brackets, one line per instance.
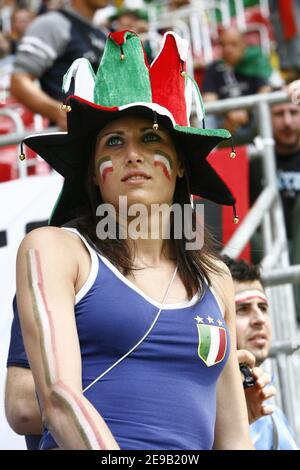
[241, 270]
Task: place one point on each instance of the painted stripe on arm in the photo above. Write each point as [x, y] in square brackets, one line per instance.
[73, 404]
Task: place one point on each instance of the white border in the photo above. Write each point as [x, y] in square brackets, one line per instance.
[132, 286]
[215, 295]
[181, 44]
[161, 110]
[94, 267]
[93, 274]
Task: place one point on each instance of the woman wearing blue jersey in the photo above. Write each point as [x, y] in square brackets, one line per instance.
[127, 327]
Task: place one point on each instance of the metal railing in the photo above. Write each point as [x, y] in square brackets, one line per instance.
[16, 119]
[17, 136]
[278, 275]
[198, 23]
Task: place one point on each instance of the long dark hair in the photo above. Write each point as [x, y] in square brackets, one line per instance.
[193, 265]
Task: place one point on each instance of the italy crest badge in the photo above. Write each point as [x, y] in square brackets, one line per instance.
[212, 341]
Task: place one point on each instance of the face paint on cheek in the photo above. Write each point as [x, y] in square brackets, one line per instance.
[163, 160]
[105, 166]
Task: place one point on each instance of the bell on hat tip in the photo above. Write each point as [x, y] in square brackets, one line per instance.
[233, 154]
[236, 220]
[183, 73]
[155, 126]
[122, 56]
[66, 107]
[22, 157]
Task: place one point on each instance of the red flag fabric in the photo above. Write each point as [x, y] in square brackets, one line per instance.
[288, 20]
[235, 173]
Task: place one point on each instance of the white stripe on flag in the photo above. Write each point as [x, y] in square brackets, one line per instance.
[214, 345]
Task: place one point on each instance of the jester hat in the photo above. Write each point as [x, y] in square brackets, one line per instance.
[123, 84]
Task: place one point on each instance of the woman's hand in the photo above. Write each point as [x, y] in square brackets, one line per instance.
[260, 392]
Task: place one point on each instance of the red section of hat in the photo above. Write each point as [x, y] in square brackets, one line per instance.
[93, 105]
[119, 36]
[167, 83]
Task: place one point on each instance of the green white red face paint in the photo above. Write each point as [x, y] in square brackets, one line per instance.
[249, 295]
[72, 402]
[105, 166]
[163, 160]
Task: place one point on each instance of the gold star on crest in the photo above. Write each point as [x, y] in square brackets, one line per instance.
[199, 319]
[209, 319]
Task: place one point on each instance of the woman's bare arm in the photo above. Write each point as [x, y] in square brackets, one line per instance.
[24, 88]
[21, 405]
[46, 273]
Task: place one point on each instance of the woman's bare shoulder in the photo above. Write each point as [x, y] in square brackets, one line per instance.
[52, 239]
[50, 234]
[221, 281]
[222, 273]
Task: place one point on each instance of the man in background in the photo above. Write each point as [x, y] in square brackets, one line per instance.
[20, 21]
[286, 133]
[51, 44]
[254, 331]
[235, 74]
